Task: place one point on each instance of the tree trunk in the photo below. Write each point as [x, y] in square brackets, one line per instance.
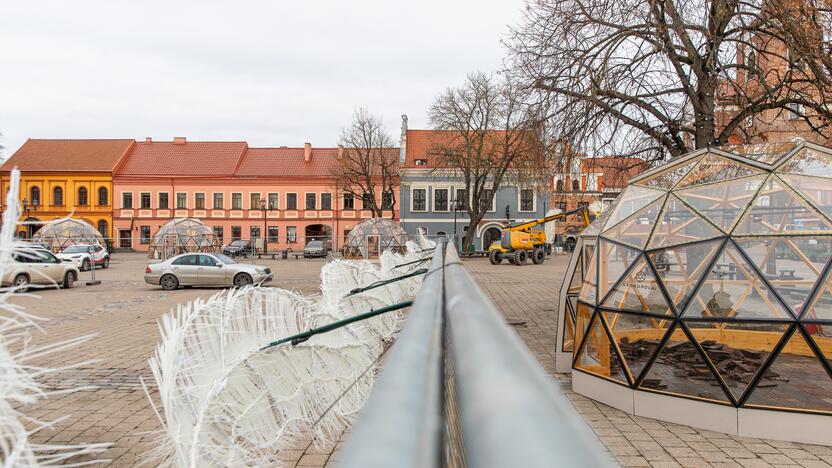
[468, 240]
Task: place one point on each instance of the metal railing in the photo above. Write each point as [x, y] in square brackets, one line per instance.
[460, 388]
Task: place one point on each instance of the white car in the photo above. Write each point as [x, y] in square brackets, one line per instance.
[31, 267]
[85, 256]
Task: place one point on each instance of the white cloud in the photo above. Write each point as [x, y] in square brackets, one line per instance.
[272, 73]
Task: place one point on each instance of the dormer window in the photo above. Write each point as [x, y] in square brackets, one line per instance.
[421, 162]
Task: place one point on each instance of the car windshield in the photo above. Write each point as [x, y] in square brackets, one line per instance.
[315, 244]
[239, 243]
[224, 258]
[77, 249]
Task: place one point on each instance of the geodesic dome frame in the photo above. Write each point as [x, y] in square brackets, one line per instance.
[62, 233]
[711, 280]
[374, 236]
[182, 235]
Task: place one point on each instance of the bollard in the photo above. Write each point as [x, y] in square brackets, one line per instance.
[92, 280]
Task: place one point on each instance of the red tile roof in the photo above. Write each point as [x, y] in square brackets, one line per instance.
[189, 158]
[68, 155]
[287, 162]
[617, 170]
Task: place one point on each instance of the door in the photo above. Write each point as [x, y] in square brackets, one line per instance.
[46, 267]
[124, 240]
[211, 271]
[186, 268]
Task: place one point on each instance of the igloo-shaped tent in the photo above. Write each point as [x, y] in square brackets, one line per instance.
[64, 232]
[710, 280]
[182, 235]
[373, 236]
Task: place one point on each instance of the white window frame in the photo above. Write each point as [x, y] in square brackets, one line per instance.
[132, 200]
[176, 202]
[592, 181]
[231, 203]
[447, 199]
[204, 199]
[413, 199]
[268, 203]
[317, 201]
[213, 195]
[158, 206]
[320, 203]
[260, 197]
[520, 200]
[493, 203]
[150, 196]
[296, 201]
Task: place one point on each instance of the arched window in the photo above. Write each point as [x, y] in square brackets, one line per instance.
[102, 228]
[82, 196]
[559, 186]
[58, 196]
[576, 185]
[103, 198]
[34, 194]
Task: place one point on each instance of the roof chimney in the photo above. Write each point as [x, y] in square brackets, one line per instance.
[340, 152]
[307, 152]
[179, 140]
[403, 140]
[148, 140]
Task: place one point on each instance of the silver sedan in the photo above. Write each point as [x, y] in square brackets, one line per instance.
[204, 269]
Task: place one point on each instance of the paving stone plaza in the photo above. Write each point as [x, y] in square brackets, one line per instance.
[123, 313]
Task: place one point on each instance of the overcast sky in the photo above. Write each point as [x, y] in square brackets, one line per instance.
[272, 72]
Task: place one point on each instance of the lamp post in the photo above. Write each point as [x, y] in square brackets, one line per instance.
[264, 209]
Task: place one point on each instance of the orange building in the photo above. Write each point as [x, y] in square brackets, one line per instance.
[62, 178]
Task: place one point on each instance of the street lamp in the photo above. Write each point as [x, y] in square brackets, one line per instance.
[264, 209]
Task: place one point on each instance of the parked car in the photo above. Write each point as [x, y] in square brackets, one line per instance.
[35, 266]
[39, 245]
[237, 247]
[314, 248]
[85, 256]
[204, 269]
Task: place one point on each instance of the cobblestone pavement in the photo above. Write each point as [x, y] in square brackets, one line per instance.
[123, 312]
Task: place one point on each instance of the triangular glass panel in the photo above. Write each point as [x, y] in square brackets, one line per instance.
[639, 292]
[680, 369]
[636, 229]
[733, 290]
[821, 306]
[638, 338]
[808, 162]
[795, 379]
[632, 199]
[667, 179]
[617, 259]
[778, 210]
[597, 355]
[821, 334]
[713, 168]
[680, 268]
[766, 153]
[791, 265]
[597, 225]
[589, 290]
[737, 349]
[583, 315]
[678, 224]
[724, 202]
[817, 190]
[577, 281]
[568, 330]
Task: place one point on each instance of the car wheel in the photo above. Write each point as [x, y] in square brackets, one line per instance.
[242, 279]
[106, 263]
[85, 265]
[169, 282]
[21, 282]
[69, 279]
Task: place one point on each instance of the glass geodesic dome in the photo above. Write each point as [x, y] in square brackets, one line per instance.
[373, 236]
[62, 233]
[182, 235]
[711, 279]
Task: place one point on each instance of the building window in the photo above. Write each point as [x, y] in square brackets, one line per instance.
[561, 205]
[236, 233]
[487, 202]
[144, 234]
[291, 201]
[34, 194]
[254, 232]
[82, 196]
[103, 228]
[291, 234]
[218, 201]
[419, 200]
[461, 201]
[796, 110]
[103, 196]
[387, 200]
[559, 186]
[164, 202]
[58, 196]
[526, 200]
[144, 200]
[349, 201]
[326, 201]
[237, 201]
[366, 201]
[199, 201]
[181, 200]
[592, 182]
[311, 199]
[254, 201]
[219, 232]
[127, 200]
[576, 185]
[274, 234]
[273, 198]
[421, 162]
[440, 199]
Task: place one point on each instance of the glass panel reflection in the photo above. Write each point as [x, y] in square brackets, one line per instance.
[715, 168]
[638, 291]
[809, 162]
[598, 356]
[632, 199]
[667, 179]
[680, 268]
[778, 210]
[817, 190]
[636, 229]
[723, 203]
[638, 338]
[679, 224]
[617, 259]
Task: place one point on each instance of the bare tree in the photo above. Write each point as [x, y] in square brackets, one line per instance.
[655, 77]
[368, 165]
[490, 138]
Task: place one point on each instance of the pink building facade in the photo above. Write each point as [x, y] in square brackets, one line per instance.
[222, 184]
